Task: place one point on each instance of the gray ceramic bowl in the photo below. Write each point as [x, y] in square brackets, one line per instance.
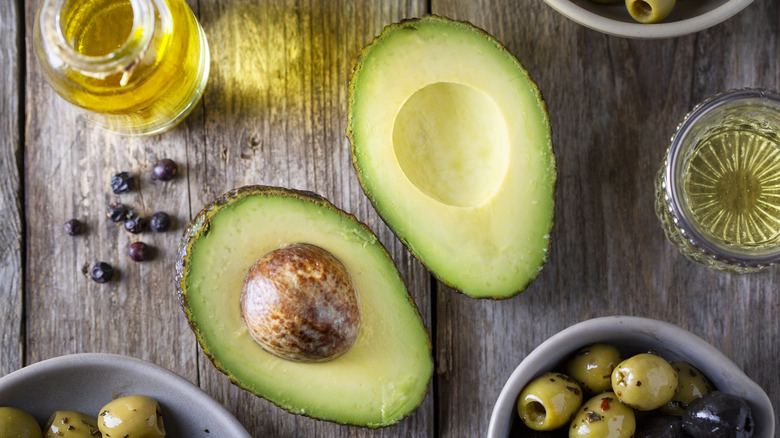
[633, 335]
[688, 16]
[86, 382]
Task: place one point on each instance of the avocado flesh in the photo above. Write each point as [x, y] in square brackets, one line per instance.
[451, 142]
[380, 380]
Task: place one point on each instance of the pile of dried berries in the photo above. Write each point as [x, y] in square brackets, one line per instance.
[121, 183]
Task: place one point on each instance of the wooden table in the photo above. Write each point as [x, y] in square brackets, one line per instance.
[274, 113]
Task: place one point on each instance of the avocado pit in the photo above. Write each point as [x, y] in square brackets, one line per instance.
[299, 303]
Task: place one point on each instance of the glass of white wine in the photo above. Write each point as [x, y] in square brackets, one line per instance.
[718, 191]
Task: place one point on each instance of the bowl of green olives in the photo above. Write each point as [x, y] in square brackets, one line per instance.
[648, 19]
[636, 377]
[84, 395]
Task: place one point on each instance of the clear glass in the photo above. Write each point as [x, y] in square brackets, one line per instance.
[718, 191]
[135, 67]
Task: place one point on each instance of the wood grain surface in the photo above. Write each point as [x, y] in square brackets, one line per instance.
[12, 333]
[274, 113]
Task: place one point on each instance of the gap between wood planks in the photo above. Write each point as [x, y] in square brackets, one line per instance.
[21, 13]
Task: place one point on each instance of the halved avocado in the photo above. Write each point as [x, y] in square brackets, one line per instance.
[381, 379]
[451, 143]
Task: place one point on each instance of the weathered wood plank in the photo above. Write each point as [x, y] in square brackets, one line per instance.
[276, 110]
[69, 164]
[613, 104]
[12, 228]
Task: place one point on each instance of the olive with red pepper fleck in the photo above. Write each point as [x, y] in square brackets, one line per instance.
[71, 424]
[131, 416]
[644, 381]
[549, 401]
[592, 367]
[691, 384]
[603, 416]
[649, 11]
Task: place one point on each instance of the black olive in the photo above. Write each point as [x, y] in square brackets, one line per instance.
[661, 426]
[101, 272]
[718, 415]
[122, 182]
[116, 211]
[165, 170]
[139, 251]
[72, 227]
[160, 222]
[135, 225]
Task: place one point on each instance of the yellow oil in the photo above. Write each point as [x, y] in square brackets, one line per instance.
[98, 28]
[732, 186]
[156, 90]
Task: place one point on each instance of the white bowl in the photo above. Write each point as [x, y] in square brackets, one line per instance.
[86, 382]
[633, 335]
[688, 16]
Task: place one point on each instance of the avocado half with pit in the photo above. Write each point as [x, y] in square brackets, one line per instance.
[451, 143]
[257, 239]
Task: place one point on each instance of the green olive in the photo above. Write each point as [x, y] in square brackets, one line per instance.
[549, 401]
[649, 11]
[592, 367]
[691, 384]
[132, 416]
[71, 424]
[644, 382]
[15, 423]
[603, 416]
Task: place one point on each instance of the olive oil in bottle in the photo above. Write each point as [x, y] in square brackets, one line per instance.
[136, 66]
[718, 193]
[97, 28]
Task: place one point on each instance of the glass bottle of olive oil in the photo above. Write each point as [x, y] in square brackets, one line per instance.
[136, 66]
[718, 193]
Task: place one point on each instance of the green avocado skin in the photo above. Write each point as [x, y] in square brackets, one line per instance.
[464, 246]
[207, 278]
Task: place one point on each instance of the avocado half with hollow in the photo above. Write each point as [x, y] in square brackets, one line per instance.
[256, 236]
[451, 143]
